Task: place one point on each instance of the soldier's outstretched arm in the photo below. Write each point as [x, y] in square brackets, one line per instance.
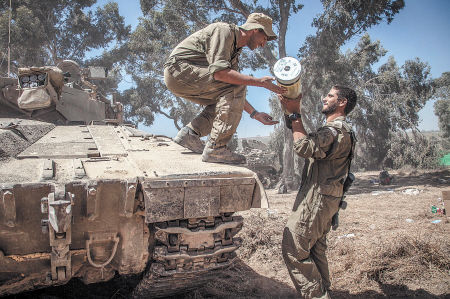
[262, 117]
[234, 77]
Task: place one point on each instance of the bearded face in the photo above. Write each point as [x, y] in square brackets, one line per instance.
[329, 107]
[330, 102]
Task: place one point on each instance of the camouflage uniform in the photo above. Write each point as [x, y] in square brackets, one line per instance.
[189, 73]
[304, 238]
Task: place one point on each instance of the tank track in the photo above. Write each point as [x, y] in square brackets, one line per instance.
[188, 253]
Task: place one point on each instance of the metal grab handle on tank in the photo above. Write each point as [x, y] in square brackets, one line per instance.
[116, 240]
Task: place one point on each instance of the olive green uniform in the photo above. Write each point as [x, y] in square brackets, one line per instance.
[327, 155]
[189, 73]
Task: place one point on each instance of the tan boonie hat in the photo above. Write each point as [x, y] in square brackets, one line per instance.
[260, 21]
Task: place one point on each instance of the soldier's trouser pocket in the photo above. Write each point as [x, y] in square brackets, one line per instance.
[185, 79]
[312, 219]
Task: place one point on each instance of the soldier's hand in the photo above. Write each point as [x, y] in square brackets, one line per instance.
[265, 118]
[266, 82]
[290, 105]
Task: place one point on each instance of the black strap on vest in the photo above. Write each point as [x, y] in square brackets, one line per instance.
[352, 150]
[350, 177]
[347, 183]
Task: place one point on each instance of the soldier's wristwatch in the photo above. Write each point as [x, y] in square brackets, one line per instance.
[294, 116]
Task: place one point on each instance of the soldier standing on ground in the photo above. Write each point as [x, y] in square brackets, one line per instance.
[203, 69]
[328, 154]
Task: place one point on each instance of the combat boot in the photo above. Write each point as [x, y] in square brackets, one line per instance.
[187, 138]
[221, 155]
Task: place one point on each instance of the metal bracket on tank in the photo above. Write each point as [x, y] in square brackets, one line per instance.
[129, 199]
[101, 238]
[97, 248]
[92, 202]
[8, 205]
[58, 206]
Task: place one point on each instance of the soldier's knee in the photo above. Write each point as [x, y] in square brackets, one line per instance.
[294, 245]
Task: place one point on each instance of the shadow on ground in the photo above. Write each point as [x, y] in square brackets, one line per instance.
[239, 281]
[118, 287]
[368, 184]
[389, 291]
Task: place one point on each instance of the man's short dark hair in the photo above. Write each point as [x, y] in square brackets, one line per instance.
[347, 93]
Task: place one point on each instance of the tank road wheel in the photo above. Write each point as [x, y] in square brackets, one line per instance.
[188, 253]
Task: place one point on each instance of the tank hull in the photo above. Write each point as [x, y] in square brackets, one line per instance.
[90, 201]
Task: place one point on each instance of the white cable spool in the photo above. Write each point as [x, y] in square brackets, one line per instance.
[287, 72]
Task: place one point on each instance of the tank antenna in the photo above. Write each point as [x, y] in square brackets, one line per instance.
[9, 41]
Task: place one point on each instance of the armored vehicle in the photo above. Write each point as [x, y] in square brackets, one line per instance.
[84, 196]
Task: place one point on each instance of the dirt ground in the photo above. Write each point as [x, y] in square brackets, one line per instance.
[386, 246]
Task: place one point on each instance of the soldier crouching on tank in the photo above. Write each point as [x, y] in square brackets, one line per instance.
[328, 154]
[203, 69]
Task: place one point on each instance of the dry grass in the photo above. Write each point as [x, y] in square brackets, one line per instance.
[261, 235]
[416, 261]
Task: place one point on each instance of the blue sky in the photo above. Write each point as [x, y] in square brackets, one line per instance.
[419, 30]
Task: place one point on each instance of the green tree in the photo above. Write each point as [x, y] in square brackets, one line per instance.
[46, 32]
[442, 104]
[390, 103]
[415, 151]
